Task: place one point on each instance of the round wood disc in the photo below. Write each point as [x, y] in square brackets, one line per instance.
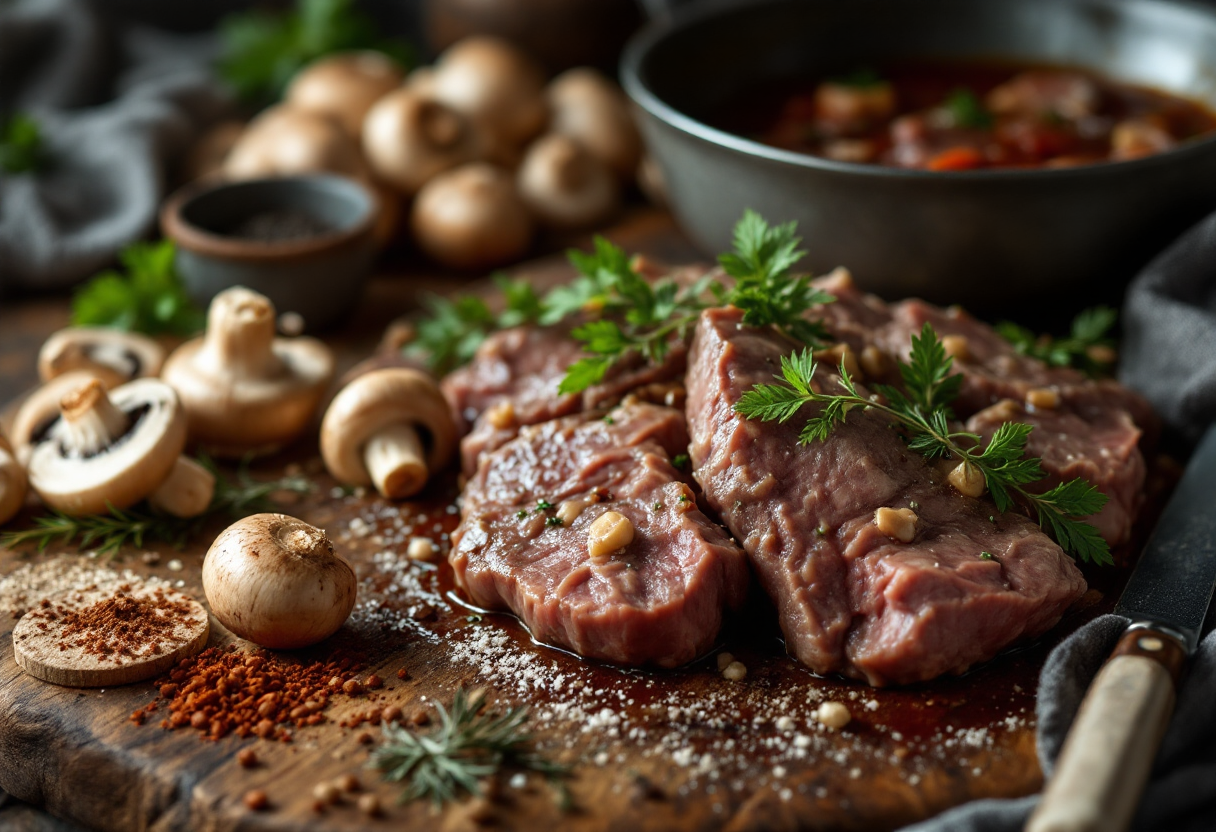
[111, 636]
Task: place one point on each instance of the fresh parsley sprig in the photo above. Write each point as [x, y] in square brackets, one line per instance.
[148, 298]
[110, 532]
[923, 414]
[1088, 346]
[466, 746]
[456, 328]
[21, 148]
[966, 110]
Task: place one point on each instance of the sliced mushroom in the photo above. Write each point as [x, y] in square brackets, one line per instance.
[344, 86]
[472, 217]
[390, 427]
[113, 449]
[113, 356]
[496, 85]
[566, 186]
[244, 390]
[283, 141]
[13, 483]
[589, 107]
[409, 137]
[41, 410]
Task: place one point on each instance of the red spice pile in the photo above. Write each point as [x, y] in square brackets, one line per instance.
[222, 691]
[118, 627]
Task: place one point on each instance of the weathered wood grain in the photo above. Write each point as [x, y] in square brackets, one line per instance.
[684, 750]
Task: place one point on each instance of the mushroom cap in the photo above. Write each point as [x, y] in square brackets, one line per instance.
[208, 153]
[344, 86]
[565, 185]
[277, 581]
[283, 141]
[13, 483]
[587, 105]
[123, 473]
[41, 410]
[377, 400]
[497, 85]
[409, 137]
[232, 415]
[114, 356]
[472, 217]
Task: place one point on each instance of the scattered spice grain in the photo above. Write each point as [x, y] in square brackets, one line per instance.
[369, 805]
[247, 758]
[256, 800]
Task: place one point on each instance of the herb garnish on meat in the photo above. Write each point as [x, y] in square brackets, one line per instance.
[1088, 346]
[923, 414]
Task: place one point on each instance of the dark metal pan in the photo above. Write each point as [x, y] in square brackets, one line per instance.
[983, 238]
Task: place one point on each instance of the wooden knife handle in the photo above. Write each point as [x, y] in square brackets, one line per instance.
[1109, 751]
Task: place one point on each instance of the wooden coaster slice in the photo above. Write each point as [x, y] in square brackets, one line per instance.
[110, 636]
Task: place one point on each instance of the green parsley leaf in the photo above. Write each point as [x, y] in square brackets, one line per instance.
[1088, 346]
[21, 149]
[148, 298]
[966, 110]
[455, 329]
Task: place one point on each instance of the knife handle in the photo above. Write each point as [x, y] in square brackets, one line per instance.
[1109, 751]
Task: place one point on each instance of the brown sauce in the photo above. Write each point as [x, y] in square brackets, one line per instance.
[940, 115]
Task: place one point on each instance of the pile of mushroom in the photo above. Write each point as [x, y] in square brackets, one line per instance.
[244, 390]
[483, 146]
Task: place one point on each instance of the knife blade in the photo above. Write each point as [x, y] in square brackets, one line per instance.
[1109, 751]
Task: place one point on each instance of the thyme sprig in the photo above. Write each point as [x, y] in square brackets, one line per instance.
[466, 746]
[108, 533]
[923, 414]
[1088, 346]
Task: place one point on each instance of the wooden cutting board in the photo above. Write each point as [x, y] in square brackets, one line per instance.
[684, 750]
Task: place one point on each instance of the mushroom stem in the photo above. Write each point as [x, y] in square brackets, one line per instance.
[240, 335]
[396, 461]
[92, 421]
[186, 492]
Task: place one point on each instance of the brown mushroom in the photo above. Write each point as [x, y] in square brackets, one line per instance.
[409, 137]
[496, 85]
[13, 483]
[283, 141]
[389, 427]
[244, 390]
[112, 355]
[114, 449]
[208, 153]
[472, 217]
[344, 86]
[589, 107]
[566, 186]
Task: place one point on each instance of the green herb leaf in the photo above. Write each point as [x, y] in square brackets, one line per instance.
[866, 76]
[263, 50]
[966, 110]
[21, 149]
[466, 746]
[1088, 346]
[922, 413]
[148, 298]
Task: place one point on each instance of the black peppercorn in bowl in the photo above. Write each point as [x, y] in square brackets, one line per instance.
[306, 242]
[988, 238]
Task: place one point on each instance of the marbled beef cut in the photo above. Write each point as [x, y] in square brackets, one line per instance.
[659, 601]
[849, 598]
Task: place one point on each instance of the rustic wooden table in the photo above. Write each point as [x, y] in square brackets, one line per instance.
[682, 749]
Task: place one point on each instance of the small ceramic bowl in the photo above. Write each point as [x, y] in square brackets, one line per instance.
[303, 241]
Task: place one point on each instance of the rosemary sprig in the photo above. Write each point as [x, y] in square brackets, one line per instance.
[466, 746]
[924, 415]
[121, 527]
[1088, 346]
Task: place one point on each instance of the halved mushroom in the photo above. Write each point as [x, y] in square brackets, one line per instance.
[409, 137]
[389, 427]
[244, 390]
[472, 217]
[283, 140]
[496, 85]
[13, 483]
[112, 355]
[344, 86]
[589, 107]
[566, 186]
[40, 411]
[115, 449]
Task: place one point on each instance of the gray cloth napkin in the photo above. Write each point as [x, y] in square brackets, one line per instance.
[1169, 355]
[117, 109]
